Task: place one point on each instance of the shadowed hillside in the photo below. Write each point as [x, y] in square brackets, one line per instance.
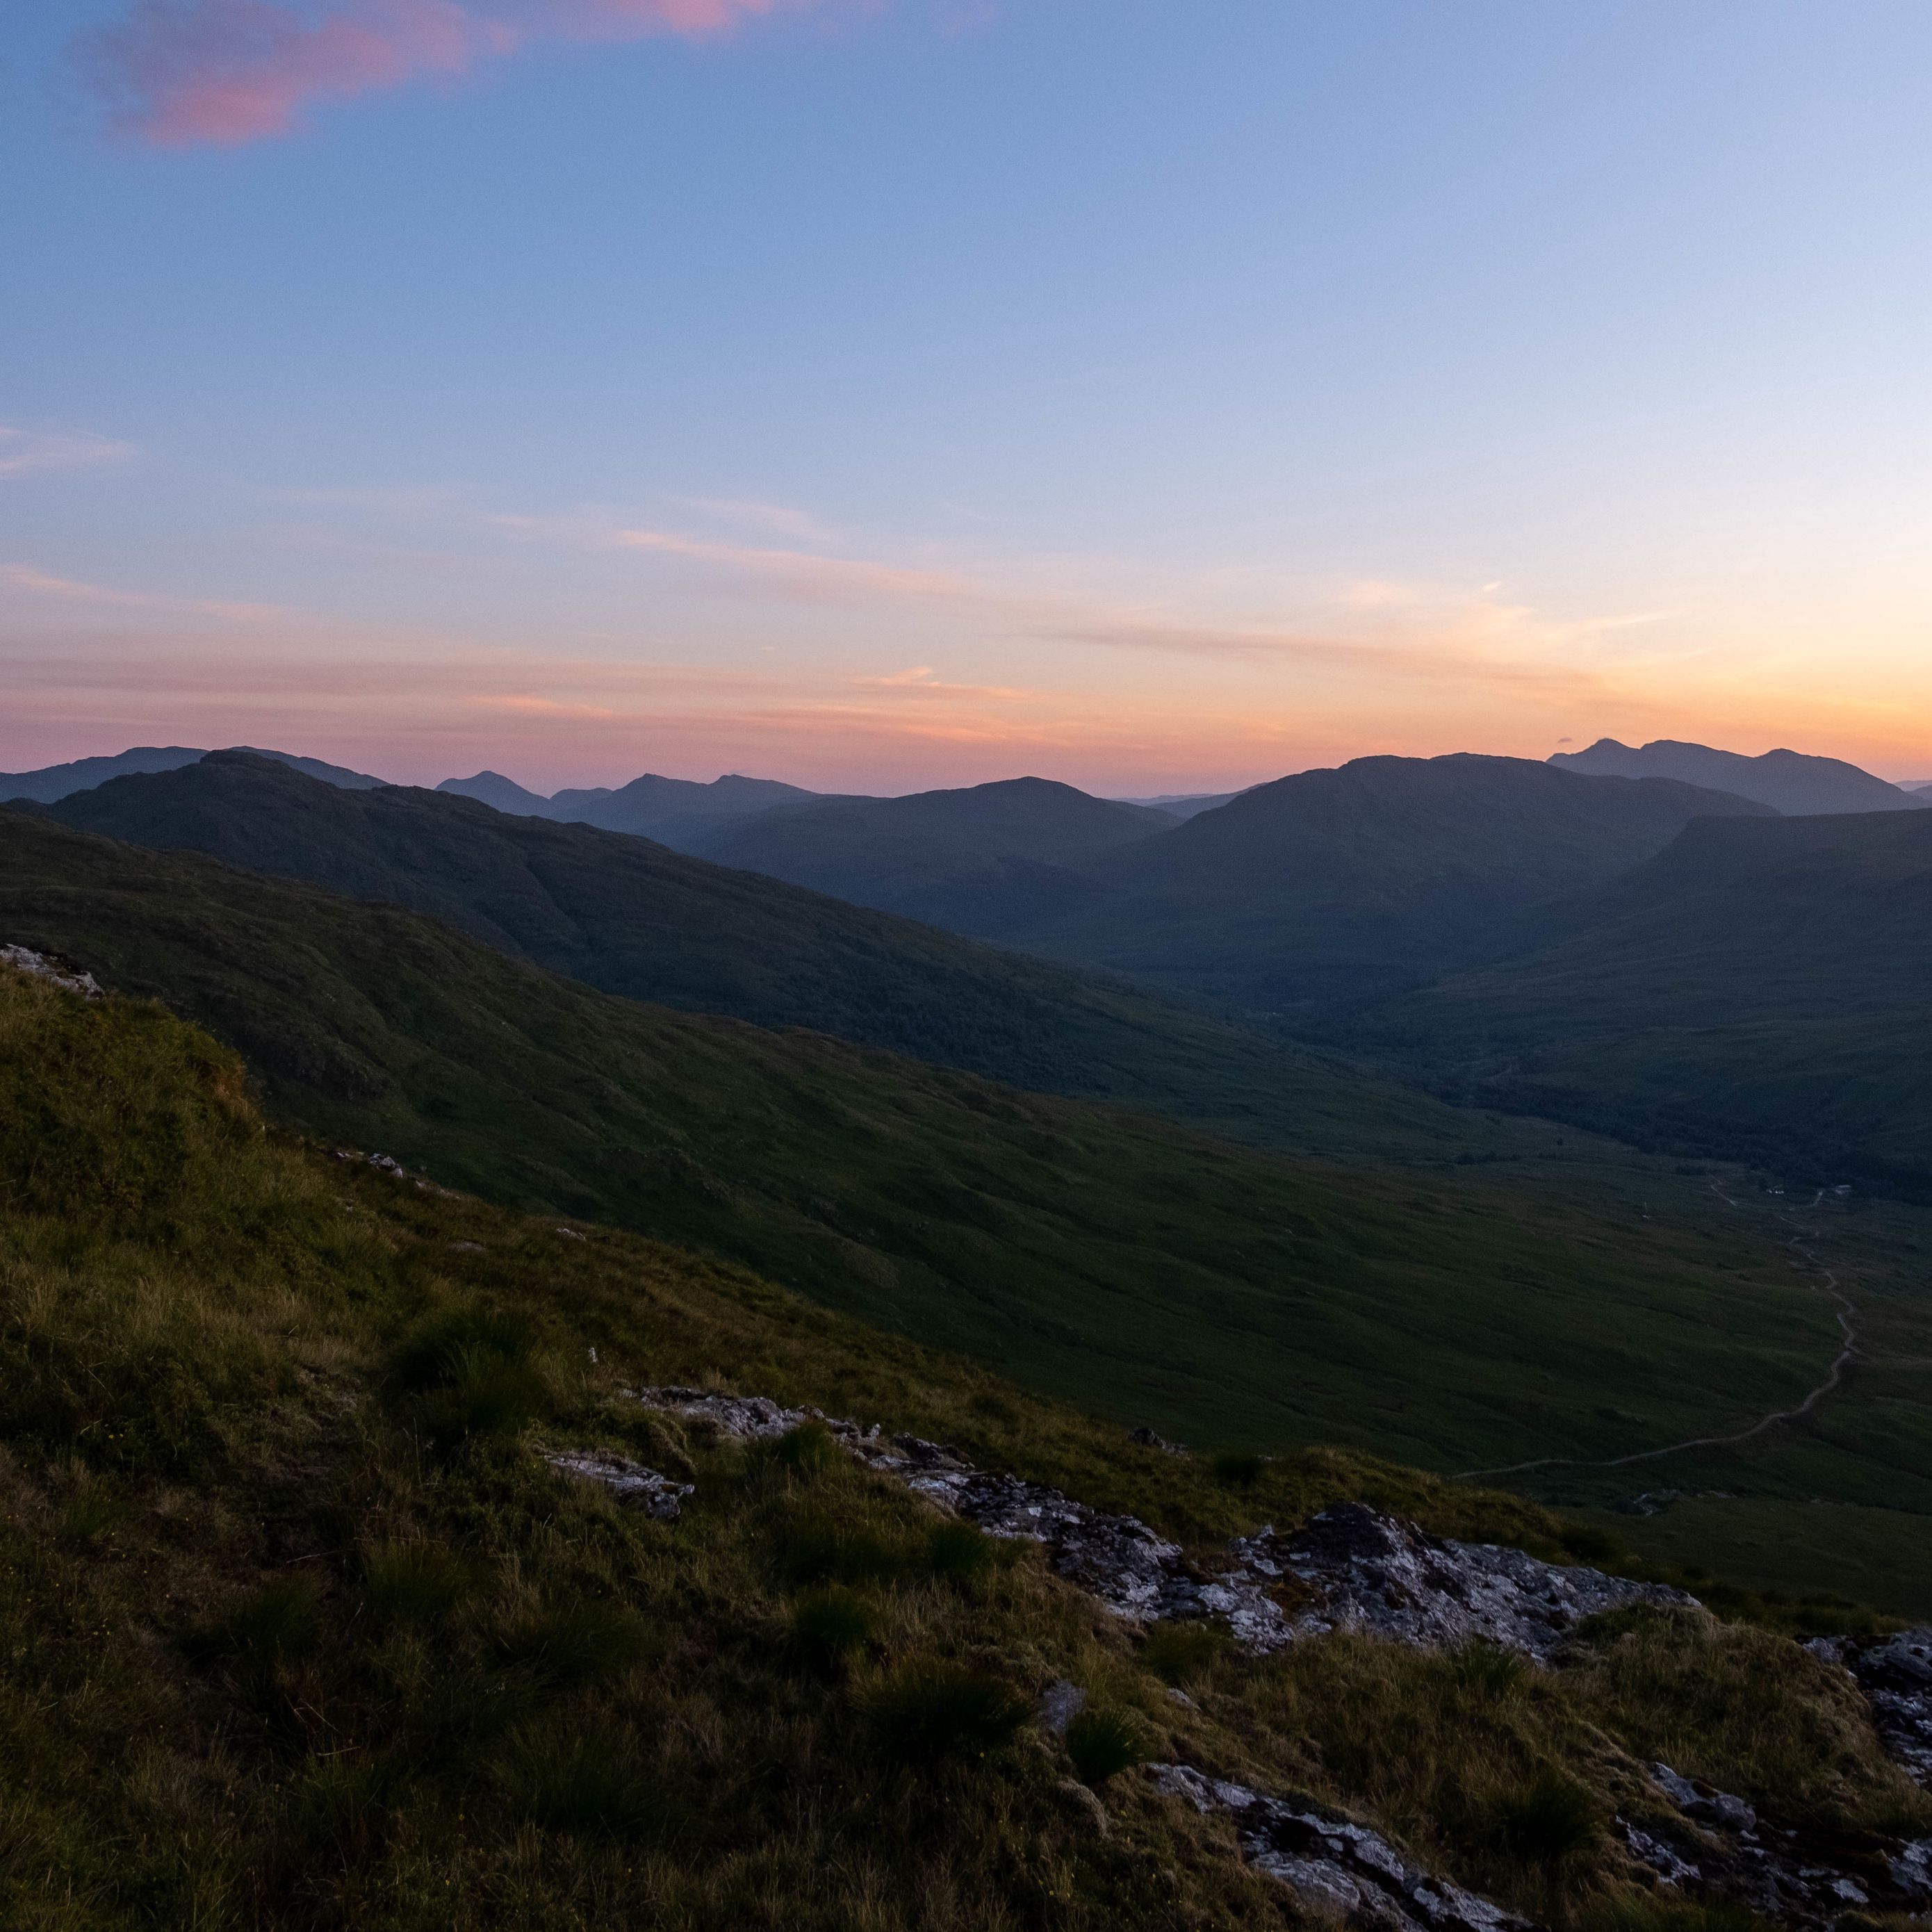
[1332, 887]
[1156, 1275]
[630, 918]
[1761, 988]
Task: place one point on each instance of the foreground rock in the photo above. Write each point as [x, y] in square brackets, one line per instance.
[1338, 1869]
[1348, 1568]
[42, 966]
[1365, 1571]
[630, 1482]
[1895, 1674]
[1806, 1875]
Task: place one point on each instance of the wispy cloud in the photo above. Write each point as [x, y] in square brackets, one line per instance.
[37, 583]
[178, 74]
[23, 452]
[1471, 639]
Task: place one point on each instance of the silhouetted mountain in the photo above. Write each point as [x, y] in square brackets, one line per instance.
[1184, 805]
[628, 917]
[1332, 887]
[1792, 782]
[677, 812]
[500, 794]
[983, 860]
[53, 782]
[1761, 988]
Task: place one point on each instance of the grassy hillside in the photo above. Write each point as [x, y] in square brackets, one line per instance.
[298, 1629]
[1763, 989]
[633, 918]
[1222, 1295]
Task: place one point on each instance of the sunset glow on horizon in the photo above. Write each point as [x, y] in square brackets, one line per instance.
[884, 396]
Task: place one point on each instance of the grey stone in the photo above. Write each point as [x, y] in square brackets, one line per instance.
[43, 966]
[630, 1482]
[1059, 1704]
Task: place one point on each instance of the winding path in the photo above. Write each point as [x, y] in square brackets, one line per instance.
[1847, 1327]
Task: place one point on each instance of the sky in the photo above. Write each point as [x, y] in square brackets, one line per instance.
[1159, 395]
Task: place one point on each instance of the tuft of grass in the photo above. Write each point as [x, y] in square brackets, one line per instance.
[413, 1583]
[961, 1552]
[1181, 1654]
[1236, 1469]
[1487, 1670]
[280, 1621]
[823, 1548]
[1548, 1826]
[582, 1640]
[808, 1450]
[473, 1372]
[1103, 1742]
[831, 1626]
[929, 1710]
[585, 1782]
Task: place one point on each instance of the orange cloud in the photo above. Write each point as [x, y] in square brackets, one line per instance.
[178, 74]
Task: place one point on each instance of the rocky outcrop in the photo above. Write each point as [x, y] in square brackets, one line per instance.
[1362, 1571]
[630, 1482]
[1348, 1568]
[1337, 1868]
[1804, 1875]
[1895, 1674]
[44, 966]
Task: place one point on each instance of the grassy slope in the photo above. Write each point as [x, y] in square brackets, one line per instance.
[1330, 888]
[1221, 1294]
[631, 918]
[1759, 989]
[297, 1629]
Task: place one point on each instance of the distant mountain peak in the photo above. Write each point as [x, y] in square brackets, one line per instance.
[1796, 783]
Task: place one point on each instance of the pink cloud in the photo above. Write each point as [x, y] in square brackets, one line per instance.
[178, 74]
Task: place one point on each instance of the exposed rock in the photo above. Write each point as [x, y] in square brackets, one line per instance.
[630, 1482]
[1336, 1867]
[747, 1418]
[571, 1234]
[1059, 1704]
[45, 966]
[1368, 1572]
[1895, 1674]
[1809, 1876]
[1704, 1802]
[1148, 1439]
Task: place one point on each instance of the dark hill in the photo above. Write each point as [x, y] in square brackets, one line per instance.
[980, 860]
[1792, 782]
[631, 918]
[677, 812]
[54, 782]
[1331, 887]
[1217, 1292]
[1763, 988]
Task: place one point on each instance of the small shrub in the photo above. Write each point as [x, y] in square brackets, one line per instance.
[1102, 1743]
[961, 1551]
[589, 1782]
[1182, 1654]
[411, 1583]
[1587, 1543]
[1487, 1670]
[831, 1626]
[1236, 1469]
[584, 1640]
[929, 1710]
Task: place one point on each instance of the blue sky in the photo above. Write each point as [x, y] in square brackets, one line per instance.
[930, 391]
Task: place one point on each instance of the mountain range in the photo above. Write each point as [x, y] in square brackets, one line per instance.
[1794, 782]
[53, 783]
